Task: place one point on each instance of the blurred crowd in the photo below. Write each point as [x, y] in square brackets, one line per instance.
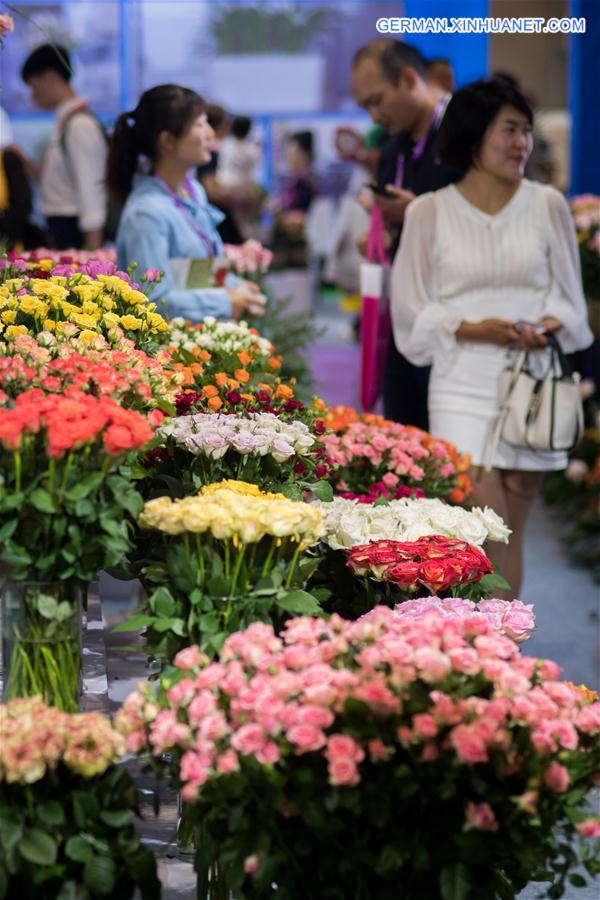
[61, 200]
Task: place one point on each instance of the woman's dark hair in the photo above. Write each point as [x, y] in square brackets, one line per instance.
[468, 116]
[240, 127]
[167, 107]
[304, 140]
[47, 57]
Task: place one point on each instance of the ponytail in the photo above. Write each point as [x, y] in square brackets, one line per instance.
[167, 107]
[122, 158]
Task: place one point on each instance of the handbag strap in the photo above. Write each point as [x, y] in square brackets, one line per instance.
[376, 251]
[558, 356]
[492, 445]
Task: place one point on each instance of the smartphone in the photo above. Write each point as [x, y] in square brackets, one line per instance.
[382, 192]
[537, 327]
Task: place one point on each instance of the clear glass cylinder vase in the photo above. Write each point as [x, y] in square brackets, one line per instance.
[41, 641]
[211, 885]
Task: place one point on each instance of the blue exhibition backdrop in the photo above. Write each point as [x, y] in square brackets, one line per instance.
[119, 52]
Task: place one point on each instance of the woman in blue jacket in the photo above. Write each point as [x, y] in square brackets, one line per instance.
[166, 214]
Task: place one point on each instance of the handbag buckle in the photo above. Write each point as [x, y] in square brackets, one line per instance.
[535, 403]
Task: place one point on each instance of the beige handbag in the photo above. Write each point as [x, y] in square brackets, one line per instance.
[538, 413]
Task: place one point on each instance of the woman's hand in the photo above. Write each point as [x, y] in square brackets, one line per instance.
[531, 338]
[246, 302]
[489, 331]
[551, 324]
[248, 286]
[240, 301]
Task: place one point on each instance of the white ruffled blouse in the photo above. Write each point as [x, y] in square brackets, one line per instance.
[456, 263]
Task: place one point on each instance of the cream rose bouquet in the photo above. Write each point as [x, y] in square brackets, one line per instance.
[231, 555]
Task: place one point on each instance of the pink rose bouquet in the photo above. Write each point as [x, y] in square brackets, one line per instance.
[67, 808]
[510, 617]
[405, 756]
[249, 260]
[382, 458]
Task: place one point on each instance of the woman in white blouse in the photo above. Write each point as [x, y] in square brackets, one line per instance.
[478, 260]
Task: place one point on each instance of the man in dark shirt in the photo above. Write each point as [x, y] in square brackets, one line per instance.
[389, 79]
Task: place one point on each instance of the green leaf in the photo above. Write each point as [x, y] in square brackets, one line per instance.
[322, 491]
[38, 847]
[291, 491]
[299, 602]
[116, 818]
[78, 849]
[70, 890]
[577, 880]
[209, 623]
[493, 582]
[134, 624]
[8, 529]
[64, 611]
[51, 812]
[43, 501]
[100, 875]
[455, 883]
[11, 832]
[85, 808]
[47, 606]
[162, 602]
[86, 486]
[175, 625]
[110, 526]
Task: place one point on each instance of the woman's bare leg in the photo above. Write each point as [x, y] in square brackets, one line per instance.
[520, 490]
[488, 490]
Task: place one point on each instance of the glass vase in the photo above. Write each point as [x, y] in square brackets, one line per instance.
[41, 641]
[211, 885]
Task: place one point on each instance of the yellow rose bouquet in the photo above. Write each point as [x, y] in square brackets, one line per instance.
[225, 558]
[108, 305]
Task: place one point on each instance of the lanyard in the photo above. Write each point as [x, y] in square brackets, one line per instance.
[419, 148]
[186, 213]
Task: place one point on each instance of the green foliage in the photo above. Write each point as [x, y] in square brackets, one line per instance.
[70, 838]
[261, 29]
[200, 591]
[65, 524]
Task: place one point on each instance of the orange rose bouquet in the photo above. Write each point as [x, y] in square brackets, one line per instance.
[64, 515]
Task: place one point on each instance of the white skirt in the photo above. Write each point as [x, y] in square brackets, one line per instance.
[464, 405]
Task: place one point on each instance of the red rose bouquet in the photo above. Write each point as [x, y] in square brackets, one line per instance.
[434, 562]
[391, 572]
